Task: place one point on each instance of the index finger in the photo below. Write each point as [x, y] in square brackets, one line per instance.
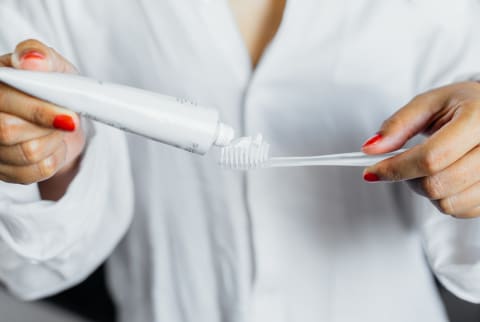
[455, 139]
[36, 111]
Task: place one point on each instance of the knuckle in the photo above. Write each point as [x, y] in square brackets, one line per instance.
[38, 114]
[432, 187]
[47, 167]
[7, 130]
[430, 162]
[31, 151]
[389, 173]
[446, 206]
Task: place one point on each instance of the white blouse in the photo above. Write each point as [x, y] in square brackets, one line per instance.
[187, 241]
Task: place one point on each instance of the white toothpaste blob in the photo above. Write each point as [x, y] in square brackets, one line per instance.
[225, 135]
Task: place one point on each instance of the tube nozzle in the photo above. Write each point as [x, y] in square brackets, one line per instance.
[225, 135]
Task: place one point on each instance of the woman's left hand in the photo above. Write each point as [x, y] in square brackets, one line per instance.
[445, 167]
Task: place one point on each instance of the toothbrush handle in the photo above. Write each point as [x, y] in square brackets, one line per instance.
[355, 159]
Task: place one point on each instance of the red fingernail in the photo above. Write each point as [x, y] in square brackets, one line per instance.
[373, 140]
[370, 177]
[64, 122]
[32, 55]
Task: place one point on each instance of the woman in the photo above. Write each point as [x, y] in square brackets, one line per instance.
[191, 242]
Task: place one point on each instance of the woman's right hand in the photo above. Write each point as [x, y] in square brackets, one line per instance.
[38, 140]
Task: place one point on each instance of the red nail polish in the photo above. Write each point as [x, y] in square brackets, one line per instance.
[64, 122]
[373, 140]
[32, 55]
[370, 177]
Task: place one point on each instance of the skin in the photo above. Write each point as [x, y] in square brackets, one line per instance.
[258, 22]
[444, 168]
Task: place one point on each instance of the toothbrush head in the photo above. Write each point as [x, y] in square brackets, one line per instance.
[245, 153]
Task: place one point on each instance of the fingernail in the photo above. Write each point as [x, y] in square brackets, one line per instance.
[33, 54]
[64, 122]
[373, 140]
[370, 177]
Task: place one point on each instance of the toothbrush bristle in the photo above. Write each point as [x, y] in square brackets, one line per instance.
[245, 154]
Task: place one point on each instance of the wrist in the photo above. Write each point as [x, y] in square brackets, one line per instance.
[55, 187]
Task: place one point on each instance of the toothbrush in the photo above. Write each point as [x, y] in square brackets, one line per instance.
[248, 154]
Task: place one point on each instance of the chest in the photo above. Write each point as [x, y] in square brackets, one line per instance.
[258, 22]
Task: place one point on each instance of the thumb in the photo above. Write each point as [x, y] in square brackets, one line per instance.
[34, 55]
[407, 122]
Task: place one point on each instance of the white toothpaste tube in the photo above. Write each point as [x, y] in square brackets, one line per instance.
[166, 119]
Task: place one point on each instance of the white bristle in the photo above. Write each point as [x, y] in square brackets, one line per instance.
[245, 153]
